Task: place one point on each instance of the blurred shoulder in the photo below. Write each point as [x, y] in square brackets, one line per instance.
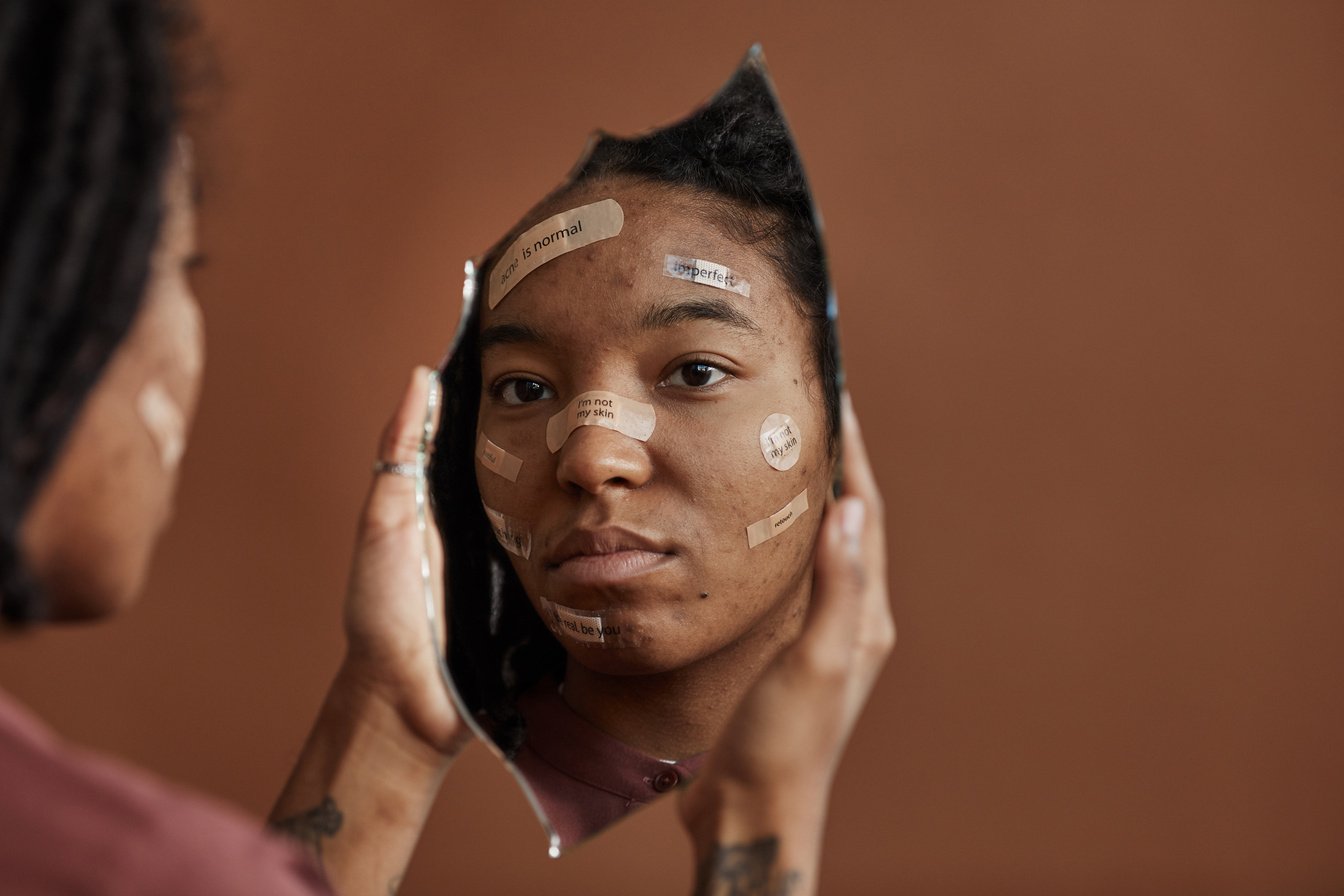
[77, 822]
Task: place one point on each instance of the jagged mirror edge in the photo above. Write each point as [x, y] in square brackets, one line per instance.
[471, 290]
[433, 605]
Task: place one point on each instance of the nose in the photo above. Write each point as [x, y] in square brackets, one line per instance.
[594, 458]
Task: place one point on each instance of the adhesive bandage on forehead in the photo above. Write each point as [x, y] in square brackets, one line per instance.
[607, 409]
[781, 441]
[550, 239]
[611, 627]
[512, 534]
[766, 529]
[496, 459]
[698, 270]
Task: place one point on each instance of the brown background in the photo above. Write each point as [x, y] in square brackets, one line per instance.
[1089, 258]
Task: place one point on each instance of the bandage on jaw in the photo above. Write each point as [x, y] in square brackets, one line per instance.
[591, 628]
[496, 459]
[607, 409]
[550, 239]
[698, 270]
[766, 529]
[512, 534]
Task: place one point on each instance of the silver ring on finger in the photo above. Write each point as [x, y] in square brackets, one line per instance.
[410, 471]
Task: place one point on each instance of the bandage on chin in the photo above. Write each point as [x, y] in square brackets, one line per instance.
[607, 409]
[611, 627]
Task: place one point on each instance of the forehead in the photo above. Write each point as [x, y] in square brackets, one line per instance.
[620, 278]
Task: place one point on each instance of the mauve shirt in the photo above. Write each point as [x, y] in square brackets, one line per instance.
[75, 823]
[584, 778]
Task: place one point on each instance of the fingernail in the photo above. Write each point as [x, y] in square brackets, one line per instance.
[851, 520]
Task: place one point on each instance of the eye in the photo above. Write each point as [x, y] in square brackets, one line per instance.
[519, 390]
[696, 375]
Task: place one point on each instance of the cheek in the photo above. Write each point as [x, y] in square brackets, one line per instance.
[510, 476]
[732, 485]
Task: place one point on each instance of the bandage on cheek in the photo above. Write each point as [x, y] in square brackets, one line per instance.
[164, 420]
[697, 270]
[496, 459]
[550, 239]
[512, 534]
[591, 628]
[777, 522]
[781, 442]
[607, 409]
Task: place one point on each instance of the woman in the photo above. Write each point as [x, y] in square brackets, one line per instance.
[101, 351]
[682, 305]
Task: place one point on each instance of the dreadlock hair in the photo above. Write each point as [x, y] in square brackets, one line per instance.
[736, 158]
[87, 116]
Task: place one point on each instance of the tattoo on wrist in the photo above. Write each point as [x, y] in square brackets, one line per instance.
[313, 826]
[745, 869]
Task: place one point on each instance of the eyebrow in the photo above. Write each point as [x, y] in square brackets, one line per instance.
[671, 314]
[511, 334]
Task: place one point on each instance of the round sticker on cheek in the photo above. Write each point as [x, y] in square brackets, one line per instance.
[781, 442]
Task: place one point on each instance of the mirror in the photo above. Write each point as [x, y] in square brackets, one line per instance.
[640, 417]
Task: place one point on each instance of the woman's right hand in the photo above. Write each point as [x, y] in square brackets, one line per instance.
[390, 651]
[364, 784]
[757, 810]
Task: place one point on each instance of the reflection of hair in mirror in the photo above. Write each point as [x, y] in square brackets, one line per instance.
[736, 156]
[86, 137]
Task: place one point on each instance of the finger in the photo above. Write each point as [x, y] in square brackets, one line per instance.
[858, 471]
[391, 503]
[849, 604]
[839, 578]
[406, 434]
[859, 482]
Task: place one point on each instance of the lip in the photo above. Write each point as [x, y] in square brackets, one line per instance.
[604, 556]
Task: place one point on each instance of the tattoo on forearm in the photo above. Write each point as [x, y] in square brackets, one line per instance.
[395, 884]
[313, 826]
[745, 869]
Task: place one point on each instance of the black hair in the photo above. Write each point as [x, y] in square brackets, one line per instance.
[734, 155]
[87, 116]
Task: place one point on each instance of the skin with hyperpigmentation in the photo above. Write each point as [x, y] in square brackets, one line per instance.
[653, 532]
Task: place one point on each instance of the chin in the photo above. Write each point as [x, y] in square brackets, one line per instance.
[92, 588]
[623, 661]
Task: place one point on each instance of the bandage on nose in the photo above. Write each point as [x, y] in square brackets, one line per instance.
[606, 409]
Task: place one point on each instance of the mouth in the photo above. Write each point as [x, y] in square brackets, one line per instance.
[587, 557]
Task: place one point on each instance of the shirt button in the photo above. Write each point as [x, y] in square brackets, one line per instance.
[665, 781]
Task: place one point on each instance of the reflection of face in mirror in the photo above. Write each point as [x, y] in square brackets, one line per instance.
[658, 559]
